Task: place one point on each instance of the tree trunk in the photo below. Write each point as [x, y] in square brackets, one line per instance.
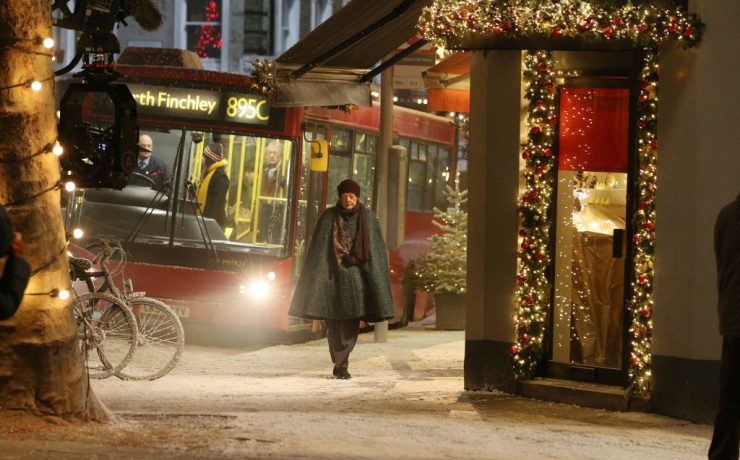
[41, 369]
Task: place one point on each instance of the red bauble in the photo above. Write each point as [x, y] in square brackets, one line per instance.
[534, 194]
[555, 32]
[552, 120]
[643, 205]
[530, 301]
[642, 279]
[644, 97]
[548, 153]
[634, 361]
[619, 22]
[608, 31]
[636, 239]
[644, 84]
[540, 256]
[642, 28]
[688, 32]
[514, 349]
[654, 144]
[539, 170]
[521, 277]
[525, 338]
[497, 30]
[539, 104]
[649, 226]
[542, 66]
[525, 155]
[525, 245]
[642, 123]
[673, 27]
[646, 313]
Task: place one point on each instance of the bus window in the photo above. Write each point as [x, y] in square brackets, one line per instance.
[443, 177]
[244, 221]
[310, 197]
[432, 177]
[414, 193]
[363, 166]
[339, 161]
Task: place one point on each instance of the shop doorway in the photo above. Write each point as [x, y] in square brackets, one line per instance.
[588, 339]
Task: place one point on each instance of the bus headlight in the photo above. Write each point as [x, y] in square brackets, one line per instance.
[259, 289]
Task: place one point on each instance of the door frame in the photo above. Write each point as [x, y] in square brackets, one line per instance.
[599, 375]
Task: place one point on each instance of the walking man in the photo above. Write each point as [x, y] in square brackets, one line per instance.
[345, 276]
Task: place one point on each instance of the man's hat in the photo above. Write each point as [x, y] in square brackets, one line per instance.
[214, 151]
[348, 186]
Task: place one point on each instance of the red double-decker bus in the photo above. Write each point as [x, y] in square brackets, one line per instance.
[237, 277]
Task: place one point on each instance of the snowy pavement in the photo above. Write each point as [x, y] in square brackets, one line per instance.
[405, 401]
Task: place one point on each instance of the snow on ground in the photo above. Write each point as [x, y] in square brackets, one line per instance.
[405, 401]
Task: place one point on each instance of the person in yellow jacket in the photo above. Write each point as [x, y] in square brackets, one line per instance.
[215, 184]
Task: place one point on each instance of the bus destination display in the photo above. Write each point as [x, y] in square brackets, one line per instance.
[244, 108]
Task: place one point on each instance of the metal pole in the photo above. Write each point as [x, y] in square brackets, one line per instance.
[381, 168]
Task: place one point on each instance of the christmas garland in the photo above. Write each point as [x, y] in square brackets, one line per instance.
[449, 23]
[533, 287]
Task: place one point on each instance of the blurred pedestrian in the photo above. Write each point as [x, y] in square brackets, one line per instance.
[345, 275]
[16, 270]
[726, 439]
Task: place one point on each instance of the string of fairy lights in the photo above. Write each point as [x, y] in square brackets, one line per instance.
[453, 24]
[36, 85]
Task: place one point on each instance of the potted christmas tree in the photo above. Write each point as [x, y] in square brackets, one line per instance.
[442, 270]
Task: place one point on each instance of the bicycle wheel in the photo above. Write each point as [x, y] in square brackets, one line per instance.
[161, 340]
[107, 328]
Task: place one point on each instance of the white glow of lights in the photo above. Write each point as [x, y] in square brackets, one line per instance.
[258, 289]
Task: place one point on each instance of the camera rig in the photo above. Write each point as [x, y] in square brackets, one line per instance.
[100, 155]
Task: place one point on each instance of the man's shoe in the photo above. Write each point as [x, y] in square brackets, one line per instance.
[342, 373]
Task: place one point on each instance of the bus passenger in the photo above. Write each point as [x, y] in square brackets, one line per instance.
[150, 166]
[272, 179]
[215, 184]
[345, 275]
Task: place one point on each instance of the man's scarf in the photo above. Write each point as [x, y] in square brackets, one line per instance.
[347, 250]
[202, 194]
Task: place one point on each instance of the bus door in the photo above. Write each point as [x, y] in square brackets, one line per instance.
[311, 200]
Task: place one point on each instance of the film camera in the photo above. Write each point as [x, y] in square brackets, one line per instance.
[99, 154]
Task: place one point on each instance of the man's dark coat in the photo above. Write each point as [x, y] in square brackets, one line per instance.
[328, 291]
[727, 252]
[156, 169]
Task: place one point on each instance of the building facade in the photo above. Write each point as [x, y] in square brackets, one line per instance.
[590, 271]
[228, 35]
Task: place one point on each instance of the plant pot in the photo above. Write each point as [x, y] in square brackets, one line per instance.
[450, 311]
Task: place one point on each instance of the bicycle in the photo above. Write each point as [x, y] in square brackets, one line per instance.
[105, 325]
[161, 338]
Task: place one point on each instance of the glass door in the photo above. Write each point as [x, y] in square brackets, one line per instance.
[588, 311]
